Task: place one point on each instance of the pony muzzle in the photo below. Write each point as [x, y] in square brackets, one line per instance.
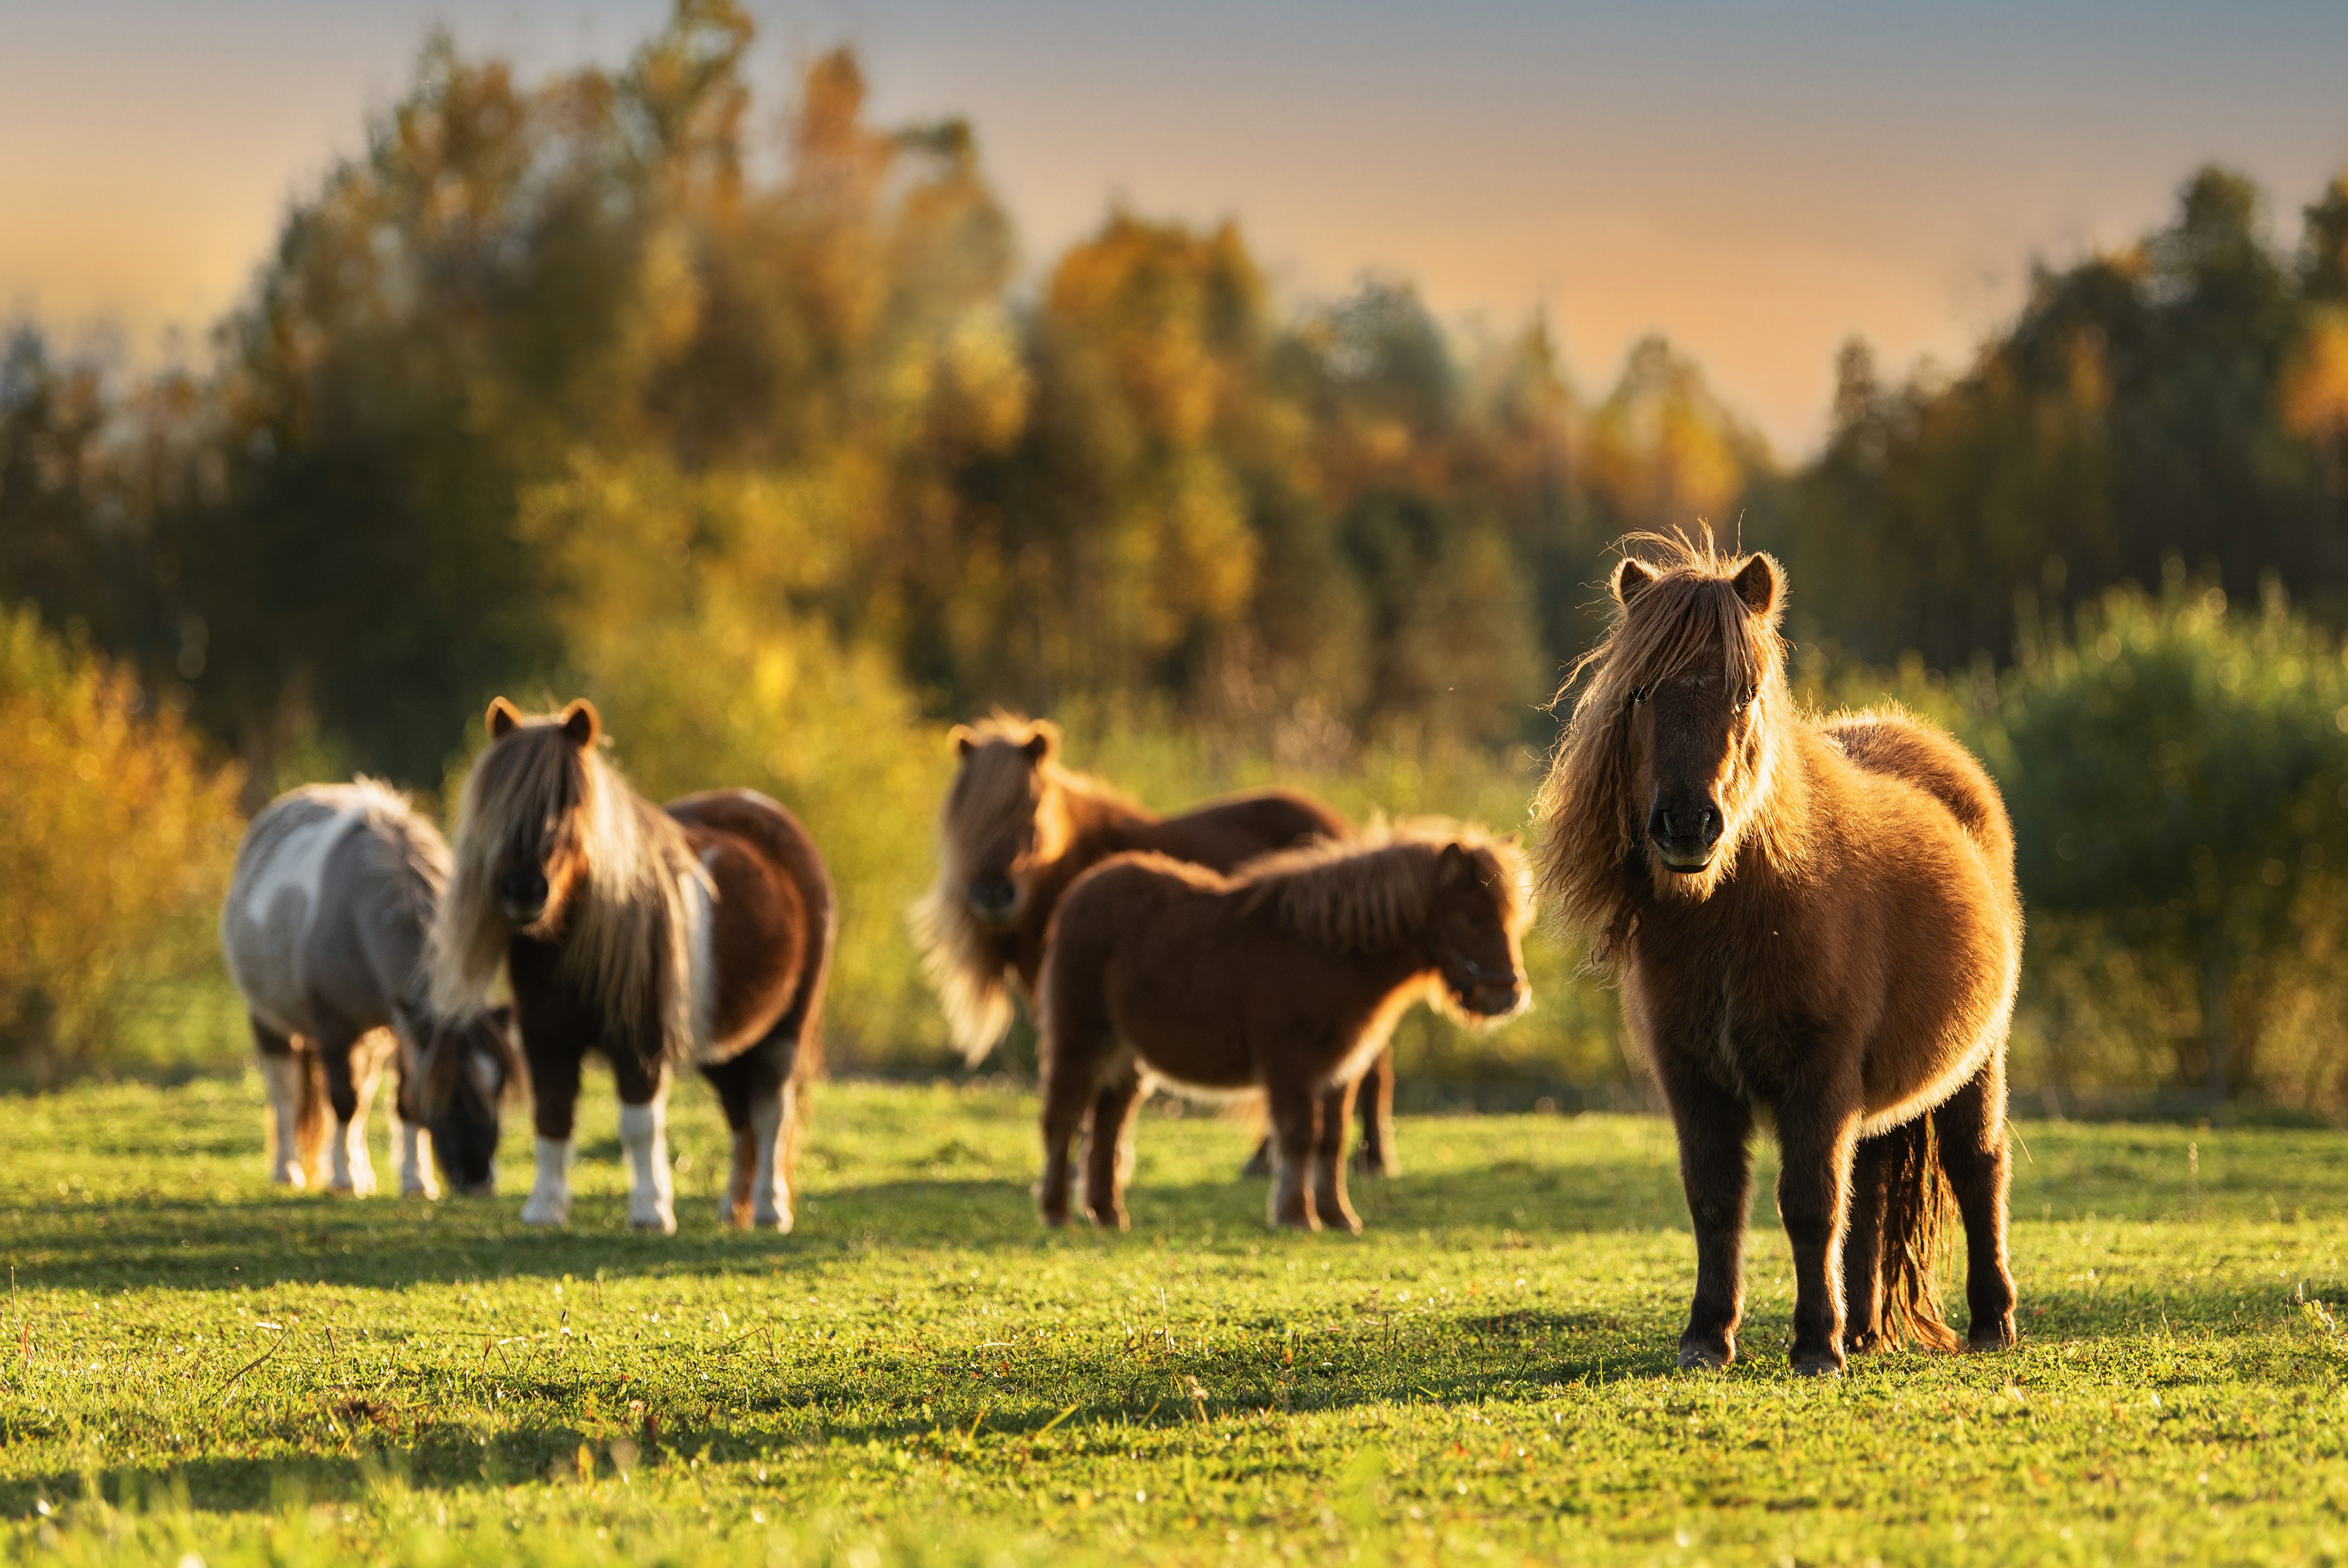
[994, 900]
[1684, 835]
[521, 896]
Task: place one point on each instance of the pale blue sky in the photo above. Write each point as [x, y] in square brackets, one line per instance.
[1757, 178]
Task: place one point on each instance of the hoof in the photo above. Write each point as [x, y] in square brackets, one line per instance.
[418, 1190]
[654, 1225]
[1367, 1162]
[541, 1211]
[1702, 1358]
[1113, 1220]
[1816, 1363]
[1999, 1339]
[776, 1220]
[1058, 1221]
[1296, 1223]
[1260, 1163]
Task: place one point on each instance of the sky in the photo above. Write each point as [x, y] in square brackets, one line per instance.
[1756, 180]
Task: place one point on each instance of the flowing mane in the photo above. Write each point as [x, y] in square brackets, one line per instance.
[1000, 787]
[628, 938]
[1592, 830]
[1375, 891]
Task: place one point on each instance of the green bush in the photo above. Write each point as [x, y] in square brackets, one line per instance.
[117, 836]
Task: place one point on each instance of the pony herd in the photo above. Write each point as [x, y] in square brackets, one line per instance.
[1813, 923]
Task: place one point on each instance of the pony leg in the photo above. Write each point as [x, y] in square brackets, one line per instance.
[1864, 1328]
[283, 1074]
[414, 1143]
[1075, 1050]
[555, 1095]
[644, 1133]
[1295, 1132]
[353, 1065]
[770, 1181]
[1818, 1139]
[1972, 1148]
[1715, 1130]
[1375, 1097]
[1329, 1159]
[1108, 1148]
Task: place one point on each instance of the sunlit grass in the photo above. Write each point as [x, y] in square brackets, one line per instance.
[195, 1362]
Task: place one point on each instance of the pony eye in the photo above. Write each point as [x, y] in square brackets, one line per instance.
[1638, 696]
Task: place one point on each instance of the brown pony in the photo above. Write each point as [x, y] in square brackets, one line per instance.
[1287, 977]
[1018, 829]
[1814, 923]
[699, 933]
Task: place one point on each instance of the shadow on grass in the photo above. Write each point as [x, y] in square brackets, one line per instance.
[388, 1242]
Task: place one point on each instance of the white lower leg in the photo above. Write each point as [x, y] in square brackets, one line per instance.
[353, 1172]
[644, 1133]
[549, 1194]
[415, 1146]
[282, 1076]
[770, 1189]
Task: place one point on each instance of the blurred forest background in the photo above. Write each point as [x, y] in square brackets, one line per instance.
[581, 386]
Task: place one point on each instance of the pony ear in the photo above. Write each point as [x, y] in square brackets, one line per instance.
[581, 723]
[503, 716]
[1759, 585]
[1451, 867]
[1044, 742]
[965, 742]
[1632, 577]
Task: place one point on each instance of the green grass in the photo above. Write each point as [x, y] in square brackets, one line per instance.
[194, 1361]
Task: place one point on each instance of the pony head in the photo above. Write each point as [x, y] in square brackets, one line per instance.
[541, 861]
[472, 1071]
[1003, 816]
[1671, 756]
[1481, 908]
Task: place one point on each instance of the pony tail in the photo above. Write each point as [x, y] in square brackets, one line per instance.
[967, 978]
[1916, 1223]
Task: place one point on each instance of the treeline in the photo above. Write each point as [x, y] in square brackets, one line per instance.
[1145, 479]
[582, 386]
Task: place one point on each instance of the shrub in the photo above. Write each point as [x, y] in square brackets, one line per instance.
[116, 839]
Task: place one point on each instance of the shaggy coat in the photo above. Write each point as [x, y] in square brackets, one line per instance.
[1287, 977]
[1018, 829]
[700, 932]
[1815, 925]
[324, 934]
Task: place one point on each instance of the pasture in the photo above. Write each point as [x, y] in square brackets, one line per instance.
[197, 1362]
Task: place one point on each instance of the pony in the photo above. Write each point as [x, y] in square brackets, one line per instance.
[1814, 923]
[1018, 828]
[1287, 977]
[701, 932]
[323, 931]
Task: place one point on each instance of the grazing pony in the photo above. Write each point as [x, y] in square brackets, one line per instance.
[323, 931]
[1286, 977]
[701, 933]
[1814, 923]
[1018, 829]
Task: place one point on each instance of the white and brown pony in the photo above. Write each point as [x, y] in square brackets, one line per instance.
[701, 934]
[323, 931]
[1019, 827]
[1816, 927]
[1286, 978]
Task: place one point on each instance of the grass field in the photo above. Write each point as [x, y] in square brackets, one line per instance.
[194, 1362]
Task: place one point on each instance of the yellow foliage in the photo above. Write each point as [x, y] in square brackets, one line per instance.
[2314, 392]
[116, 843]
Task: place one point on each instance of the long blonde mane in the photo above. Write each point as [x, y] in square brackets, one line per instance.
[629, 929]
[1590, 829]
[1376, 891]
[999, 787]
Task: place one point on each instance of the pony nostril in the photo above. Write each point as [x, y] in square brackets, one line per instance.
[993, 896]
